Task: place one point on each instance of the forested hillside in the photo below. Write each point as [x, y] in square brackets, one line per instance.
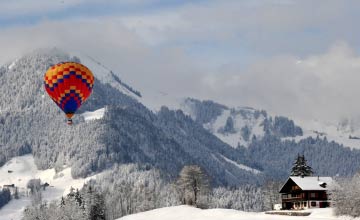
[266, 141]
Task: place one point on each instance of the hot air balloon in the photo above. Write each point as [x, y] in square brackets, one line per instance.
[69, 84]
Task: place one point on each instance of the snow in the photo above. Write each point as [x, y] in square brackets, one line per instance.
[240, 121]
[12, 65]
[98, 114]
[312, 182]
[23, 169]
[241, 166]
[332, 131]
[187, 212]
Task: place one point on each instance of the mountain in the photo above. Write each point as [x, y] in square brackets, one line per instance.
[271, 143]
[127, 132]
[345, 132]
[238, 126]
[234, 146]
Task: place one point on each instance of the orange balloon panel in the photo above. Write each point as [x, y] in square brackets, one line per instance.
[69, 84]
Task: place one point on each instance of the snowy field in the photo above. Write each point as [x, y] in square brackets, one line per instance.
[190, 213]
[23, 169]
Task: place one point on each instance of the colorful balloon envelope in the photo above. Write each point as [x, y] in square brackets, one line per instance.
[69, 84]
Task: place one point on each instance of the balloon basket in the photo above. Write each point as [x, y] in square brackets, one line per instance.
[69, 121]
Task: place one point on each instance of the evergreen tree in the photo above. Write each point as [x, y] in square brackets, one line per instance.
[62, 202]
[5, 196]
[300, 167]
[78, 198]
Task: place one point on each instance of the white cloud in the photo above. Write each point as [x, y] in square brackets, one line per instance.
[323, 86]
[148, 69]
[297, 75]
[261, 27]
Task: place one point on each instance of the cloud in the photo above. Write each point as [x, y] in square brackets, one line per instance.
[253, 28]
[323, 86]
[296, 65]
[13, 9]
[148, 69]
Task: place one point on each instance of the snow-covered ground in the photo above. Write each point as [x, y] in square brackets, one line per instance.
[23, 169]
[98, 114]
[190, 213]
[242, 166]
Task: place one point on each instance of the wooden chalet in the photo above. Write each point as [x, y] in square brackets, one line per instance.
[304, 192]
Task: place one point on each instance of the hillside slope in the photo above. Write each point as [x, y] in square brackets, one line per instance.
[24, 169]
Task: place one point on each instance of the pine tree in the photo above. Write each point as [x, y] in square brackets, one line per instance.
[78, 198]
[62, 202]
[300, 167]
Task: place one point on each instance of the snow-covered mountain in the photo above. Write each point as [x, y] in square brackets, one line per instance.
[234, 146]
[238, 126]
[345, 132]
[115, 127]
[271, 143]
[111, 127]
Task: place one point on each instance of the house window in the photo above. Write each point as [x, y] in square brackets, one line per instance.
[324, 195]
[295, 187]
[313, 204]
[312, 195]
[295, 195]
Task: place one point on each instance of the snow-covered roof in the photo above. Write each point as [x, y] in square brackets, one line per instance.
[312, 182]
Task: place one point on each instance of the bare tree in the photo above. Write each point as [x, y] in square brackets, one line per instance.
[194, 185]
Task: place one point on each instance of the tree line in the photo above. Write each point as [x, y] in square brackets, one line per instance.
[128, 189]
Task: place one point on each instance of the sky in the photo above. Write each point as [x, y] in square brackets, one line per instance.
[294, 58]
